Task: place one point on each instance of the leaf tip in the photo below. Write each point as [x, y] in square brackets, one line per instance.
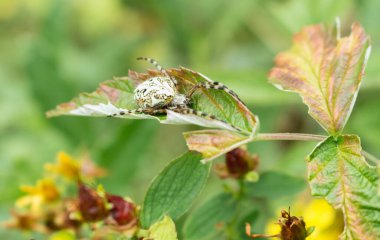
[367, 54]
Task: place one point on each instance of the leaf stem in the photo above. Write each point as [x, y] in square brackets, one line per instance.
[303, 137]
[289, 137]
[370, 157]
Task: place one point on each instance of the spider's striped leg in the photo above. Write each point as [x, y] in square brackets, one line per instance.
[149, 111]
[159, 67]
[155, 64]
[187, 111]
[121, 113]
[155, 111]
[213, 85]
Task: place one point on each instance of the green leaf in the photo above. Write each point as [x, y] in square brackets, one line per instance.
[111, 97]
[115, 96]
[339, 173]
[163, 230]
[216, 102]
[275, 185]
[210, 218]
[326, 71]
[310, 230]
[174, 189]
[213, 143]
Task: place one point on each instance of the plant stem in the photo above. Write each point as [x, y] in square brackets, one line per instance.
[370, 157]
[289, 137]
[303, 137]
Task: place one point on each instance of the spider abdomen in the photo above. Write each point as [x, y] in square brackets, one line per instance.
[156, 92]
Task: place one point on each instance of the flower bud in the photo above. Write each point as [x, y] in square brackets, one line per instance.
[292, 227]
[122, 211]
[91, 205]
[240, 162]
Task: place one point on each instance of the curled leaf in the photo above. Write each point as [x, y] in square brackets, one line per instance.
[326, 71]
[213, 143]
[117, 95]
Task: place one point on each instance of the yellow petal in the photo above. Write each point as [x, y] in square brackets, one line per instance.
[319, 213]
[47, 190]
[44, 191]
[66, 166]
[272, 227]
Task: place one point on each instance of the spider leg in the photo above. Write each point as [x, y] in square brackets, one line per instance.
[213, 85]
[181, 110]
[156, 64]
[149, 111]
[159, 67]
[187, 111]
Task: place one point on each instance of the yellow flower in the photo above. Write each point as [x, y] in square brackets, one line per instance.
[319, 213]
[45, 191]
[322, 215]
[272, 228]
[66, 166]
[73, 169]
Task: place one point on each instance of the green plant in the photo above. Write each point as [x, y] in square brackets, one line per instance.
[326, 70]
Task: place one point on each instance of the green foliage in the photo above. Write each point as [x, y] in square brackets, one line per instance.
[338, 172]
[274, 185]
[51, 50]
[211, 217]
[325, 69]
[218, 103]
[174, 189]
[127, 148]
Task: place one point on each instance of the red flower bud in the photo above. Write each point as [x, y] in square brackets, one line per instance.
[91, 205]
[123, 212]
[239, 161]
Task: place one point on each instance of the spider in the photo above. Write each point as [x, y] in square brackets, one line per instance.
[160, 93]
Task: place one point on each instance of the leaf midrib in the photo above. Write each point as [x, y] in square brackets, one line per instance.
[345, 195]
[318, 78]
[343, 184]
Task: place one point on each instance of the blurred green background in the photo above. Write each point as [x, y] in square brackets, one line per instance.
[50, 50]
